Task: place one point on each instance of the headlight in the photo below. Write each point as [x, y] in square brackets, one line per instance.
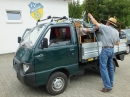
[25, 67]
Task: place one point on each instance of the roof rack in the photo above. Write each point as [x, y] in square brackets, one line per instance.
[53, 19]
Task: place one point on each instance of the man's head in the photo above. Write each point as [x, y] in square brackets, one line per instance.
[111, 21]
[62, 32]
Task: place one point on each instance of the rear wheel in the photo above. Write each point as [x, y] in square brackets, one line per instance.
[114, 64]
[57, 83]
[127, 49]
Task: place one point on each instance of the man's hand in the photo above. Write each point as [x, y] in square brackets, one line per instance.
[117, 43]
[93, 20]
[89, 15]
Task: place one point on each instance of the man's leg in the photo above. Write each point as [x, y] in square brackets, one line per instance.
[111, 67]
[103, 68]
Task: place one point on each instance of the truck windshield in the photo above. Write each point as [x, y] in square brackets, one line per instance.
[31, 37]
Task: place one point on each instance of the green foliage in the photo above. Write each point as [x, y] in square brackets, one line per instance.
[102, 10]
[75, 9]
[113, 8]
[118, 8]
[91, 6]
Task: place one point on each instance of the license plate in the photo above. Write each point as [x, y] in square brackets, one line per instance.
[90, 59]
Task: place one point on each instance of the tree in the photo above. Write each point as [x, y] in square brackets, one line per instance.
[102, 9]
[119, 9]
[91, 6]
[75, 9]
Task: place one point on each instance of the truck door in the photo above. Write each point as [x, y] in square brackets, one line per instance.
[60, 54]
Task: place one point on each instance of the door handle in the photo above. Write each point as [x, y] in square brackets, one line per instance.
[55, 48]
[41, 55]
[71, 49]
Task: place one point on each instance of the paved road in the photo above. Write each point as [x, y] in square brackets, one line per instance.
[87, 85]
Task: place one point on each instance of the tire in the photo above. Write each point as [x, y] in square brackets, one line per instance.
[57, 83]
[114, 64]
[127, 49]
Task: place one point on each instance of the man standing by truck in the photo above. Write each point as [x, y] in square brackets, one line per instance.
[110, 37]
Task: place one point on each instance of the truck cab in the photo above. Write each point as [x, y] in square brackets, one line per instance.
[50, 53]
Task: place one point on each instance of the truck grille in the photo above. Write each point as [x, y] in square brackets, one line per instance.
[15, 65]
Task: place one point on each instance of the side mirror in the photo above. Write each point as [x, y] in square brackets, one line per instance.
[19, 39]
[44, 43]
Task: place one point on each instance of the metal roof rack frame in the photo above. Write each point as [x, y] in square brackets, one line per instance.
[54, 18]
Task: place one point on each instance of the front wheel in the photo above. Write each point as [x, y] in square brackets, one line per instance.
[57, 83]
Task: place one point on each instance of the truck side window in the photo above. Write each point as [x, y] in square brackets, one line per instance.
[58, 36]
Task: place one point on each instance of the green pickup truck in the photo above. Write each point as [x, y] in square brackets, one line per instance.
[50, 53]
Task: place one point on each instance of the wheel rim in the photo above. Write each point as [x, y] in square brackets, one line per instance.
[58, 84]
[127, 49]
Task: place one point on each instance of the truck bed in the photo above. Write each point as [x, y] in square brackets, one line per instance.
[90, 50]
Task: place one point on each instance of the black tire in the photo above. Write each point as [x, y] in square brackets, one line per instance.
[114, 64]
[127, 49]
[57, 83]
[98, 69]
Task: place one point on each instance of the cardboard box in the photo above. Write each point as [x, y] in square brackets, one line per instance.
[87, 40]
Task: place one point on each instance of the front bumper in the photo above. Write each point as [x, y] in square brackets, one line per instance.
[27, 79]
